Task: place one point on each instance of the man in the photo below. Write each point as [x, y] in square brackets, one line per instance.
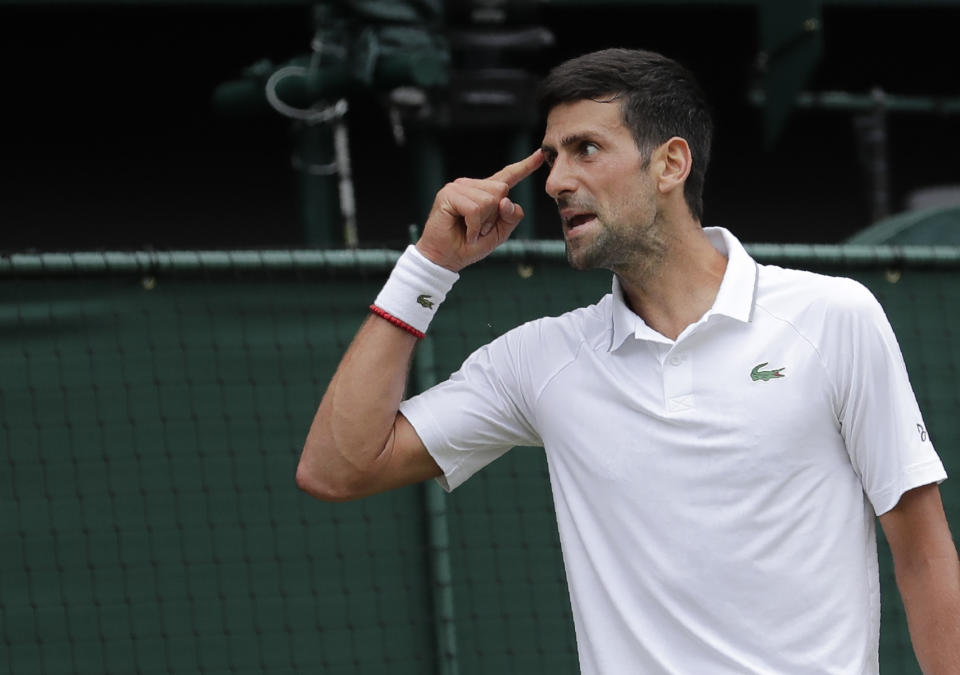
[719, 434]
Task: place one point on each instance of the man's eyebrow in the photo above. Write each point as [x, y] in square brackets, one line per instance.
[574, 139]
[567, 141]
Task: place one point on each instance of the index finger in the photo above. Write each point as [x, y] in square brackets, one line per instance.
[512, 174]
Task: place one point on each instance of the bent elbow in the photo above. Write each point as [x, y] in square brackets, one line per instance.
[325, 484]
[320, 487]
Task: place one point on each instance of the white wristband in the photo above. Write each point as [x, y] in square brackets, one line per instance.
[415, 289]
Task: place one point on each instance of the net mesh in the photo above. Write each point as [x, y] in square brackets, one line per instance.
[152, 411]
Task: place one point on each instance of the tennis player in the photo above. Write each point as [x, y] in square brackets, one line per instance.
[721, 435]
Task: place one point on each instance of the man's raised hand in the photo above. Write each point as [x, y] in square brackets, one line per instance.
[472, 216]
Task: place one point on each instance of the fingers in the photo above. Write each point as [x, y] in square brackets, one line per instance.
[510, 216]
[500, 183]
[504, 215]
[471, 216]
[498, 186]
[473, 212]
[478, 204]
[516, 172]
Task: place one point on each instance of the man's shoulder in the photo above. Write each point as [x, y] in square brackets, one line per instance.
[791, 292]
[591, 324]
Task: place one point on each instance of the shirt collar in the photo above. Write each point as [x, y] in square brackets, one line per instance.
[734, 299]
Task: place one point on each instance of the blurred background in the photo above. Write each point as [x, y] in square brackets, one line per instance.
[130, 125]
[154, 400]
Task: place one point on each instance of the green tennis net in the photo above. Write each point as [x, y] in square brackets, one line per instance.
[152, 410]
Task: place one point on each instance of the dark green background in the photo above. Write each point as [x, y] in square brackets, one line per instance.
[150, 425]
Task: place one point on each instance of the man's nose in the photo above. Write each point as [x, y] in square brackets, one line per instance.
[560, 180]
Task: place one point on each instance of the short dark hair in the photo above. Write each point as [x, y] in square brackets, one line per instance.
[659, 97]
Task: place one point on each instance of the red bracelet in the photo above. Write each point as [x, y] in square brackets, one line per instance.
[397, 322]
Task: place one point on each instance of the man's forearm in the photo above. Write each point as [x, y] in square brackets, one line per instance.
[931, 596]
[928, 576]
[356, 417]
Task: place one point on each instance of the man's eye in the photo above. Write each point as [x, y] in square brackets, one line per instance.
[587, 149]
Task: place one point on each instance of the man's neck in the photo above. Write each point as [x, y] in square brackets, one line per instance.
[681, 287]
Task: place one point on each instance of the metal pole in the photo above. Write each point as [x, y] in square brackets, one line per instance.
[438, 535]
[872, 127]
[429, 169]
[317, 167]
[348, 204]
[521, 145]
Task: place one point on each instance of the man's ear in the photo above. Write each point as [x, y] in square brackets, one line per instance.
[675, 164]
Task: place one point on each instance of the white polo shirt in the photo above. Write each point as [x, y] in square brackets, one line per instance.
[715, 495]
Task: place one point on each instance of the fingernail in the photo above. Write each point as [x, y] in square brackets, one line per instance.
[485, 230]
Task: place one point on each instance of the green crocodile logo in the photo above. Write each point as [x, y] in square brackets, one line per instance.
[765, 375]
[425, 301]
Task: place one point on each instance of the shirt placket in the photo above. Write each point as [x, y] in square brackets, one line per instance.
[678, 380]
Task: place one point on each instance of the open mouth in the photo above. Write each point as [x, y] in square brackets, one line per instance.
[580, 219]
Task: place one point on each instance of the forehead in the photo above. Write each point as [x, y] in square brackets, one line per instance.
[582, 118]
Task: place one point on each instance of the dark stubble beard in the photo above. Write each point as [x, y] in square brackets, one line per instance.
[597, 254]
[639, 251]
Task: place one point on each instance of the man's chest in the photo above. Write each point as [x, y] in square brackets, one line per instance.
[737, 404]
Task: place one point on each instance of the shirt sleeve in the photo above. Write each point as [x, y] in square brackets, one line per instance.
[478, 414]
[880, 419]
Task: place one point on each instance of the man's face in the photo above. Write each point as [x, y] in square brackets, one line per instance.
[600, 181]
